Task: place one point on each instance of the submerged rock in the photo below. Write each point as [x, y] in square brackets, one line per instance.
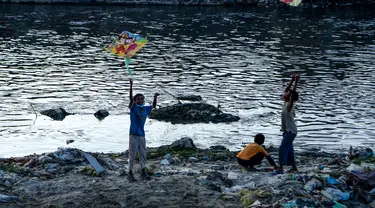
[192, 113]
[101, 114]
[56, 114]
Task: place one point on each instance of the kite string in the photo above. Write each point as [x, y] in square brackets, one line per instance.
[36, 115]
[179, 102]
[127, 61]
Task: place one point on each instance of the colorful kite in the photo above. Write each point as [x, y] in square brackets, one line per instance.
[126, 45]
[292, 2]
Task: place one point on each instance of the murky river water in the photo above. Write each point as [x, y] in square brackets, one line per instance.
[241, 58]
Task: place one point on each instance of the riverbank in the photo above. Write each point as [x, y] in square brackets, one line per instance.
[184, 176]
[306, 3]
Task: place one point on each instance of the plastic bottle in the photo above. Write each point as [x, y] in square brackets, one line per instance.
[338, 205]
[5, 198]
[312, 184]
[332, 181]
[290, 204]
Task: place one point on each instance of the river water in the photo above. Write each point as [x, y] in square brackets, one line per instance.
[239, 57]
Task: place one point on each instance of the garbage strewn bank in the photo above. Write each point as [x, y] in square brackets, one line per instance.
[186, 176]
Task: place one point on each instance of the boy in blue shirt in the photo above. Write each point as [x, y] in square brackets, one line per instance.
[137, 141]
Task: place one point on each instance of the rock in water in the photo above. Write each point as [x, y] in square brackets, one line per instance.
[101, 114]
[192, 113]
[56, 114]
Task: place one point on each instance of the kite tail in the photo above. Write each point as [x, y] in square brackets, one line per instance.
[127, 61]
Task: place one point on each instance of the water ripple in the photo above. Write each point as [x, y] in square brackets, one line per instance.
[240, 58]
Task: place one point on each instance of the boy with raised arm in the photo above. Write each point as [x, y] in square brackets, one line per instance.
[288, 126]
[137, 141]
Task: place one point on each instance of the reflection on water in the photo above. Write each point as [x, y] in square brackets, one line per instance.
[238, 57]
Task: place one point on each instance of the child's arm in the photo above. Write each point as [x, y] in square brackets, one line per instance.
[290, 83]
[291, 101]
[155, 100]
[271, 161]
[131, 93]
[296, 79]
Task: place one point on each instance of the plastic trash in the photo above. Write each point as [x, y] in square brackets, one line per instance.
[64, 154]
[332, 181]
[256, 204]
[94, 163]
[291, 204]
[232, 176]
[193, 159]
[355, 168]
[30, 163]
[313, 184]
[335, 194]
[7, 183]
[232, 189]
[342, 181]
[167, 156]
[368, 166]
[164, 162]
[275, 172]
[338, 205]
[372, 192]
[174, 160]
[5, 198]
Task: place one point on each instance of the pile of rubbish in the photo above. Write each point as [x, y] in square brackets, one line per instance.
[336, 182]
[323, 180]
[14, 171]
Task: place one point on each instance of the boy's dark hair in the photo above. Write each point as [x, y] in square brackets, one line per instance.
[135, 96]
[294, 95]
[259, 139]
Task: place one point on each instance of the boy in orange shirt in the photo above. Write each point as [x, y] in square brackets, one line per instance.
[254, 153]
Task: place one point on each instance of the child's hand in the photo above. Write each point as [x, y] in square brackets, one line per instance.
[294, 76]
[297, 77]
[131, 81]
[156, 94]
